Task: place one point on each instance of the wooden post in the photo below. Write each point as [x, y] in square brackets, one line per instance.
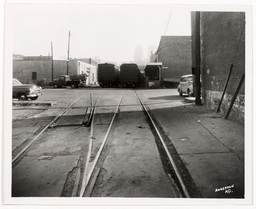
[52, 59]
[197, 59]
[225, 87]
[68, 50]
[234, 97]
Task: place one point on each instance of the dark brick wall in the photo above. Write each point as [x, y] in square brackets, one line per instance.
[222, 44]
[175, 53]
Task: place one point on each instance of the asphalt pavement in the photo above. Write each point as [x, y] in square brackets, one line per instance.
[210, 148]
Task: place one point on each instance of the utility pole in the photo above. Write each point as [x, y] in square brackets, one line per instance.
[52, 59]
[68, 50]
[196, 55]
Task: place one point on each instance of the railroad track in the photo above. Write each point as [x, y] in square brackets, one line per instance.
[51, 124]
[86, 177]
[91, 170]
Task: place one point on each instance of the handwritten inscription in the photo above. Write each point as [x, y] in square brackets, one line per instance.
[226, 189]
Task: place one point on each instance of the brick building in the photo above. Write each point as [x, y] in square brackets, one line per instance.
[30, 69]
[222, 36]
[175, 54]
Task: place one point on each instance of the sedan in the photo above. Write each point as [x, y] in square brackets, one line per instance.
[186, 85]
[25, 91]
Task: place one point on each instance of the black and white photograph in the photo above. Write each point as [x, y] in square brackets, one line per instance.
[127, 104]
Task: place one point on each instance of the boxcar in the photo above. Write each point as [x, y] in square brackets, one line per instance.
[153, 75]
[130, 75]
[108, 75]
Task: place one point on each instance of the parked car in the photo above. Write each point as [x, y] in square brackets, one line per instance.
[25, 91]
[186, 85]
[63, 81]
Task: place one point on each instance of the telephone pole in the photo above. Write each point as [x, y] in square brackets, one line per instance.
[68, 50]
[52, 59]
[196, 56]
[198, 60]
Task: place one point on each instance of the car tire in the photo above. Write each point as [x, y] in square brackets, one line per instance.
[22, 96]
[34, 98]
[74, 85]
[189, 93]
[180, 92]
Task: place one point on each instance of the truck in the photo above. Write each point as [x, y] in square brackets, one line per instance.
[63, 81]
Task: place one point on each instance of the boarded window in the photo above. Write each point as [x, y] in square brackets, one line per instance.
[34, 76]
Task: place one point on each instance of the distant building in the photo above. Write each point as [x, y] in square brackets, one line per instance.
[151, 49]
[175, 54]
[138, 55]
[31, 69]
[88, 69]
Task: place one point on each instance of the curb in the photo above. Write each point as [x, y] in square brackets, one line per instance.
[33, 103]
[190, 99]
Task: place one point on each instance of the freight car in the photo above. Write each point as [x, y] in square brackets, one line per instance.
[153, 75]
[130, 75]
[108, 75]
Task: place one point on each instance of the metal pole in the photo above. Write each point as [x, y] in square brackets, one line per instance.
[197, 59]
[234, 97]
[52, 59]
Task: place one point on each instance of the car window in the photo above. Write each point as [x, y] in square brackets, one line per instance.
[183, 79]
[190, 78]
[16, 82]
[186, 79]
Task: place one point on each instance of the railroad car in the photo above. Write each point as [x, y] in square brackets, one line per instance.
[153, 75]
[130, 75]
[108, 75]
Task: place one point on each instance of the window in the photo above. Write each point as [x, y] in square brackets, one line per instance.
[183, 79]
[15, 82]
[190, 78]
[34, 76]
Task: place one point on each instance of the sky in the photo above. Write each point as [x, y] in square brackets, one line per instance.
[110, 32]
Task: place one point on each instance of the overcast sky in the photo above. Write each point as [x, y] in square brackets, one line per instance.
[110, 32]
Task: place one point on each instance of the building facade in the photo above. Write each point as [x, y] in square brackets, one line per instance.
[33, 69]
[90, 71]
[175, 54]
[222, 37]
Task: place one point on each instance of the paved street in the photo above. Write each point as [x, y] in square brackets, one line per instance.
[206, 149]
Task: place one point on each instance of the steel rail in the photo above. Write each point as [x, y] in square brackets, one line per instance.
[177, 173]
[70, 104]
[85, 176]
[88, 175]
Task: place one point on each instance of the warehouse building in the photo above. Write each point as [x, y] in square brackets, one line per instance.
[41, 69]
[175, 54]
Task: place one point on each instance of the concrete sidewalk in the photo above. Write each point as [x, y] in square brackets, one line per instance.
[210, 147]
